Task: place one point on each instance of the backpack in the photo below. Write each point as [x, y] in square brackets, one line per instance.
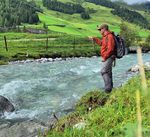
[120, 47]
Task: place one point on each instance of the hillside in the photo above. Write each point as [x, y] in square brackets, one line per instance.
[60, 18]
[74, 24]
[17, 9]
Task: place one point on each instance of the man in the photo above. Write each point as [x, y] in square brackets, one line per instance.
[107, 44]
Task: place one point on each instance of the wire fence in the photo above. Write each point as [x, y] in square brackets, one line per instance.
[18, 49]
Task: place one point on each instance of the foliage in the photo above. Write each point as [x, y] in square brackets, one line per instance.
[130, 35]
[91, 101]
[131, 16]
[80, 2]
[117, 118]
[148, 39]
[85, 15]
[59, 46]
[142, 6]
[68, 8]
[106, 3]
[21, 12]
[123, 12]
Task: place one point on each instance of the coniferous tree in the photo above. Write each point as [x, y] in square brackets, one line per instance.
[15, 12]
[68, 8]
[85, 15]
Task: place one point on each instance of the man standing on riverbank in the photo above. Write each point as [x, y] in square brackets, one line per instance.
[107, 44]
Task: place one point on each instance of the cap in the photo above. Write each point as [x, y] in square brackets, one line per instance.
[99, 27]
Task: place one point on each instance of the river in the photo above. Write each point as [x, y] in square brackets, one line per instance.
[39, 89]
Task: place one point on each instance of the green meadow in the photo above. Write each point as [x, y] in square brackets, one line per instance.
[77, 26]
[67, 29]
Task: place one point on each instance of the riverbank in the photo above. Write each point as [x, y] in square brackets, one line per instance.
[35, 91]
[112, 115]
[52, 47]
[23, 58]
[41, 58]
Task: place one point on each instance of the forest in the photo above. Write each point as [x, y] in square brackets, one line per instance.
[21, 11]
[126, 14]
[68, 8]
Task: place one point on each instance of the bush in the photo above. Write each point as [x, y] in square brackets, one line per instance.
[85, 15]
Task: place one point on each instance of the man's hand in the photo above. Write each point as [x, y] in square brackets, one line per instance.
[90, 38]
[103, 60]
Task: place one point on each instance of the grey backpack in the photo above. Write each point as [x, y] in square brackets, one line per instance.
[120, 47]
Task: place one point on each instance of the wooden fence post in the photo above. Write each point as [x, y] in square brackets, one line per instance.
[93, 42]
[46, 40]
[74, 43]
[5, 40]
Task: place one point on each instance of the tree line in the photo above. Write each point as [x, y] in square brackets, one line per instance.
[123, 12]
[142, 6]
[106, 3]
[131, 16]
[15, 12]
[68, 8]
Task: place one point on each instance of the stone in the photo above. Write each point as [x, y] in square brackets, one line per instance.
[22, 129]
[6, 105]
[80, 125]
[136, 67]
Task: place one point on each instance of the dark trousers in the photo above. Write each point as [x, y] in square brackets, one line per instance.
[106, 73]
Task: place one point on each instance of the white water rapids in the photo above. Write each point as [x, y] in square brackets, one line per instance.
[38, 89]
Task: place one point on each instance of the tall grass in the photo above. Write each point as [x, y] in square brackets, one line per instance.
[139, 116]
[144, 89]
[60, 46]
[124, 113]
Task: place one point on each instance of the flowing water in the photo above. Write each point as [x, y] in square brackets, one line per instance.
[39, 89]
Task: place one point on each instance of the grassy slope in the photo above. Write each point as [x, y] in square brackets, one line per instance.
[74, 22]
[117, 118]
[77, 26]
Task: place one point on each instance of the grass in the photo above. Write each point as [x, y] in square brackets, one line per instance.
[66, 46]
[115, 117]
[123, 113]
[74, 25]
[22, 35]
[63, 27]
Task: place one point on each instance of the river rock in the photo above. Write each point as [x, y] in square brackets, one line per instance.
[136, 68]
[6, 105]
[22, 129]
[80, 125]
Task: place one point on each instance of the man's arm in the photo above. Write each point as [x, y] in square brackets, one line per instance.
[110, 47]
[97, 40]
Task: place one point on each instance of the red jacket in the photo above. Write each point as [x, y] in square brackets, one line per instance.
[107, 45]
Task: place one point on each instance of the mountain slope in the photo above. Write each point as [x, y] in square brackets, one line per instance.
[74, 24]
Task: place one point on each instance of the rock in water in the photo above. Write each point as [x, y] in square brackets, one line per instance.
[27, 128]
[6, 105]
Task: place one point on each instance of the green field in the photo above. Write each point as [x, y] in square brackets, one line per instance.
[77, 26]
[61, 46]
[65, 28]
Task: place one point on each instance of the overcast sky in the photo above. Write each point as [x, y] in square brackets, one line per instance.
[135, 1]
